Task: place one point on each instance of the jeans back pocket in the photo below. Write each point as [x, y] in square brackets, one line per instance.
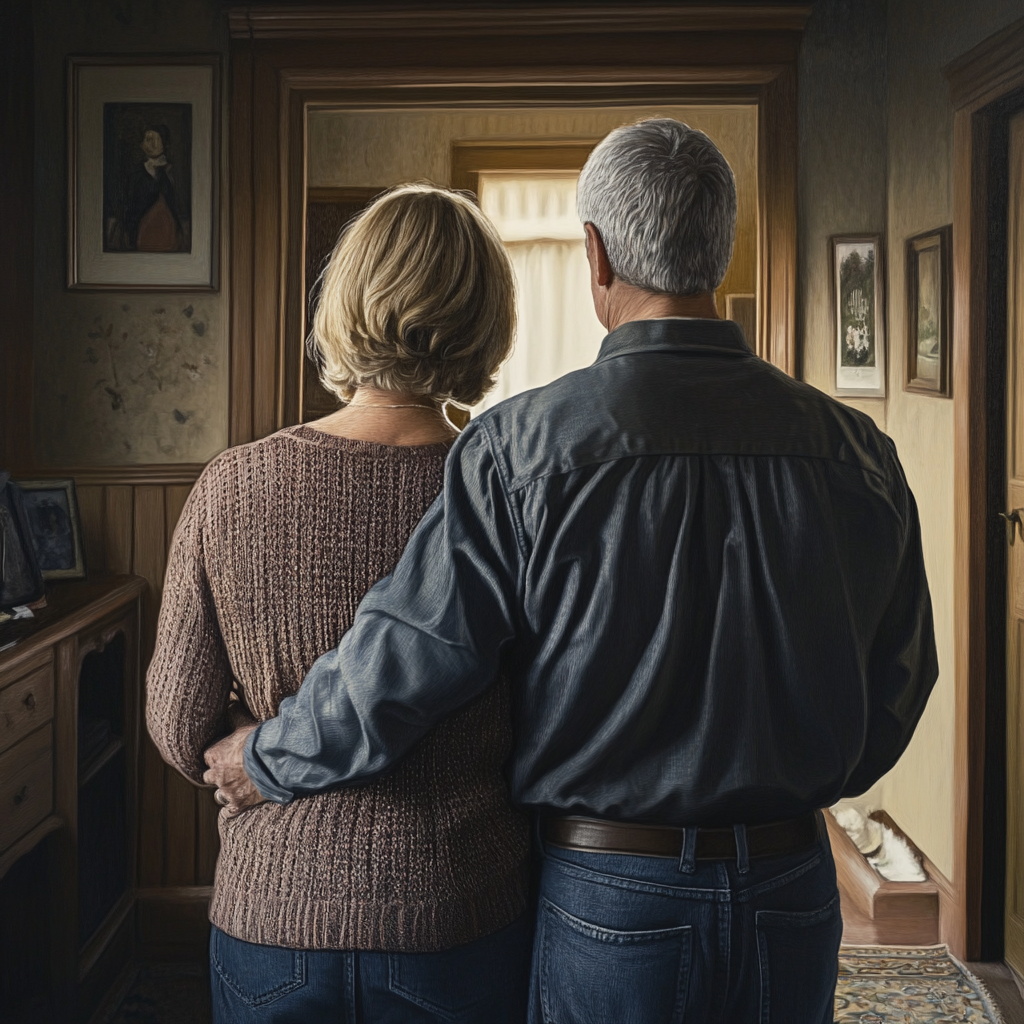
[595, 975]
[257, 975]
[799, 959]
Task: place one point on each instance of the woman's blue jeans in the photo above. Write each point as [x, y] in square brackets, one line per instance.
[482, 982]
[646, 940]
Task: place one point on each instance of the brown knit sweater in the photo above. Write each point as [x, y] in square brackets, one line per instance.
[276, 546]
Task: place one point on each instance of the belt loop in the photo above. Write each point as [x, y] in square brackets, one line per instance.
[742, 854]
[688, 858]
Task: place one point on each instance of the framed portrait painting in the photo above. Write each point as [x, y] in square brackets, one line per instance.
[51, 508]
[929, 312]
[143, 151]
[859, 315]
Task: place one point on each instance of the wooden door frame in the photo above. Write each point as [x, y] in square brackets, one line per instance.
[980, 82]
[287, 60]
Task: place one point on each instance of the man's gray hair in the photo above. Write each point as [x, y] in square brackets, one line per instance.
[663, 199]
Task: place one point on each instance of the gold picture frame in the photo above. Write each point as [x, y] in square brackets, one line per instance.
[929, 312]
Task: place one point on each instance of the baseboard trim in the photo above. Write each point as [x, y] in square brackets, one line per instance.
[166, 475]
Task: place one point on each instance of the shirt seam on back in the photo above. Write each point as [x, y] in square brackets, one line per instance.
[513, 488]
[704, 351]
[516, 525]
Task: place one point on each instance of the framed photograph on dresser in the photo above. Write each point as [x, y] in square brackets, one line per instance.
[858, 315]
[51, 508]
[143, 169]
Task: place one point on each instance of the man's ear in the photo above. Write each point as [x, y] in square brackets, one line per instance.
[597, 255]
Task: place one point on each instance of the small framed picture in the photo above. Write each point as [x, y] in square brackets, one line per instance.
[859, 307]
[929, 312]
[52, 512]
[143, 145]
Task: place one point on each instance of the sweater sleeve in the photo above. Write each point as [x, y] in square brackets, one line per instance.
[188, 683]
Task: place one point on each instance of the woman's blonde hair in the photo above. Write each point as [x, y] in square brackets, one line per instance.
[418, 296]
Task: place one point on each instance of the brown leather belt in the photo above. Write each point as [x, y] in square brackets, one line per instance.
[593, 835]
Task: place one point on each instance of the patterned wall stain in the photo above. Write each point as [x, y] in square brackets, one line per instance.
[146, 384]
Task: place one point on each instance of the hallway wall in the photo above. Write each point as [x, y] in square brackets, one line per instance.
[923, 38]
[134, 460]
[163, 356]
[876, 138]
[841, 165]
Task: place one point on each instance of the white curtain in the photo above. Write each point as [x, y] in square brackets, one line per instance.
[535, 214]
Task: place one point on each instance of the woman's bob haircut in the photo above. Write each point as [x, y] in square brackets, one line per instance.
[418, 296]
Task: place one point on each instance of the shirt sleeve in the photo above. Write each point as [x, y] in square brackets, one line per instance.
[188, 684]
[425, 641]
[903, 666]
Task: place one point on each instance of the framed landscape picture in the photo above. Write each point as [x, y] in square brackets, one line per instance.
[51, 508]
[929, 312]
[143, 144]
[859, 315]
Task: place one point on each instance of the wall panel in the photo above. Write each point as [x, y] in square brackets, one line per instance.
[128, 520]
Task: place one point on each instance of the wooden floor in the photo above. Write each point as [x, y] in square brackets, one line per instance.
[1003, 988]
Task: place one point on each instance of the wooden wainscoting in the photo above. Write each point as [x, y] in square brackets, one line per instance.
[128, 518]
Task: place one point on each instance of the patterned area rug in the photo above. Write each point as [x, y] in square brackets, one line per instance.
[909, 986]
[876, 986]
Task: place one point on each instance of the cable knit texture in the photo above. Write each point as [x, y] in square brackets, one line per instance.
[276, 546]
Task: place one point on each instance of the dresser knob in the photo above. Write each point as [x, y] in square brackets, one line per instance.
[19, 797]
[29, 701]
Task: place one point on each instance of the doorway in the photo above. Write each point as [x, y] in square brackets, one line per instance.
[1014, 497]
[522, 164]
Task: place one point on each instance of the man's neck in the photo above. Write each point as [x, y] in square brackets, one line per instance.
[627, 303]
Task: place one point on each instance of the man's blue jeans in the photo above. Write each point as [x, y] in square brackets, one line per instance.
[646, 940]
[482, 982]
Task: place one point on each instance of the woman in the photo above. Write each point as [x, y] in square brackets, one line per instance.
[402, 900]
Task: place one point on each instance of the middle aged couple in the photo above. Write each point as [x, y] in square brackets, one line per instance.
[648, 620]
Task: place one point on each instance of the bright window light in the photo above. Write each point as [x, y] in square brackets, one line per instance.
[535, 215]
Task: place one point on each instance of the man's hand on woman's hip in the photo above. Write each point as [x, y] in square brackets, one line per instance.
[235, 792]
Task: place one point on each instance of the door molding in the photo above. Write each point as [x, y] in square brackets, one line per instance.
[319, 22]
[979, 81]
[287, 60]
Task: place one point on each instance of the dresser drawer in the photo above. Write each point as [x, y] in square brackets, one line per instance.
[25, 705]
[26, 785]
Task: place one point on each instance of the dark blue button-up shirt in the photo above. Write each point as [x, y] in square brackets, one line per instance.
[704, 579]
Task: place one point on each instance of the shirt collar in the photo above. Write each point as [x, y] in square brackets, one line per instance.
[700, 337]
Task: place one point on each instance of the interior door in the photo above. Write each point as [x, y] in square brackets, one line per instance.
[1015, 562]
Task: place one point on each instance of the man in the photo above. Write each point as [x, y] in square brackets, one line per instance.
[705, 581]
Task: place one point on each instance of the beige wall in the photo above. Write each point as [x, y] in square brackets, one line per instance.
[923, 37]
[382, 148]
[133, 376]
[841, 168]
[876, 135]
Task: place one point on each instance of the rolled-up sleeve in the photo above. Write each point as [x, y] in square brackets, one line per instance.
[425, 641]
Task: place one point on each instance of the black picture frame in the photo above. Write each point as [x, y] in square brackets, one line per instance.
[930, 313]
[51, 507]
[858, 315]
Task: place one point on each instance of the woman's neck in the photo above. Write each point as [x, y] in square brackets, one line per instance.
[388, 417]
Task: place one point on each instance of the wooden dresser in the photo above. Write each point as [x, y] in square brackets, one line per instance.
[70, 700]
